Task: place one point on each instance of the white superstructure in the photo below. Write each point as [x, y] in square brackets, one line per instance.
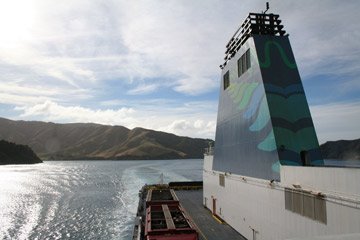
[308, 202]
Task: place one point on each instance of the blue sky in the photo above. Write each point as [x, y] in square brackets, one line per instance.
[155, 64]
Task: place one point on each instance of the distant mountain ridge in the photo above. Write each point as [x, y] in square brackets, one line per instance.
[94, 141]
[11, 153]
[341, 149]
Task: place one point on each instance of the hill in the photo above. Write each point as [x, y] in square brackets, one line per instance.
[94, 141]
[11, 153]
[342, 149]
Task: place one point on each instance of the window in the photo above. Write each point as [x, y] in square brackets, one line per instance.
[240, 69]
[222, 180]
[248, 59]
[243, 60]
[244, 63]
[306, 204]
[226, 80]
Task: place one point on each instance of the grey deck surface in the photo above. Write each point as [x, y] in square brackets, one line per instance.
[209, 228]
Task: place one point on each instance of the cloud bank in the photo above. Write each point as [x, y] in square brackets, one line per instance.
[154, 64]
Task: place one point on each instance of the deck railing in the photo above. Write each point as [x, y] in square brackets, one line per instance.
[254, 24]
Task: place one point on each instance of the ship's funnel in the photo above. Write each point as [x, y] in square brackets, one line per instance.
[263, 117]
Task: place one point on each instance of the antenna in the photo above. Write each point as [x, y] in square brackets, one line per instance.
[162, 179]
[267, 7]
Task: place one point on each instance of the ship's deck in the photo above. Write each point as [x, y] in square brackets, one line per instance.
[209, 228]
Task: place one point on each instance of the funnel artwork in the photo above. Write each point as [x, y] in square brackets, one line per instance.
[263, 117]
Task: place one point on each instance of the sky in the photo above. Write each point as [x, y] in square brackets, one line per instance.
[155, 63]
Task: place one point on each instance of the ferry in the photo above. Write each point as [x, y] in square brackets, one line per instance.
[265, 178]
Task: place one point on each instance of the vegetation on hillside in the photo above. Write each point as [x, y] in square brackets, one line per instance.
[11, 153]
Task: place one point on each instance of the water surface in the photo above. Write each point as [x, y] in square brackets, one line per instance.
[80, 199]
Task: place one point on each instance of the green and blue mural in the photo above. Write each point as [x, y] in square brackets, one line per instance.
[263, 118]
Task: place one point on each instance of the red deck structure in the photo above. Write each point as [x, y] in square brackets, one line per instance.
[166, 219]
[161, 196]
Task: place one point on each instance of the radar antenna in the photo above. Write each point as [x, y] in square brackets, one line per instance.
[267, 7]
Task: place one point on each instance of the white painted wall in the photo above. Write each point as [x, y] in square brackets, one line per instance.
[351, 236]
[208, 161]
[328, 179]
[247, 203]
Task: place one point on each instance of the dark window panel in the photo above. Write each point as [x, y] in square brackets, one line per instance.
[226, 80]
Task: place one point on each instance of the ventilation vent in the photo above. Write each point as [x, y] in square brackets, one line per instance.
[306, 204]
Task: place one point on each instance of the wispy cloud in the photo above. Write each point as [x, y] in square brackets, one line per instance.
[112, 103]
[195, 85]
[19, 100]
[322, 43]
[24, 93]
[51, 111]
[189, 127]
[143, 89]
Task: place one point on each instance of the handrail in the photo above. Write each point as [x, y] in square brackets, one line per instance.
[254, 24]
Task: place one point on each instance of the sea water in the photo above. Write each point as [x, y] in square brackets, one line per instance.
[80, 199]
